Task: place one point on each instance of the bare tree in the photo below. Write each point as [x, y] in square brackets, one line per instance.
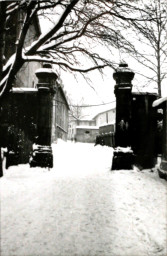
[76, 111]
[79, 24]
[150, 39]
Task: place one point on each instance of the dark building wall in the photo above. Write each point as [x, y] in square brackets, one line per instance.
[144, 129]
[18, 110]
[105, 129]
[106, 135]
[19, 127]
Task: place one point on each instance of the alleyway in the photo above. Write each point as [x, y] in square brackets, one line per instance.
[81, 208]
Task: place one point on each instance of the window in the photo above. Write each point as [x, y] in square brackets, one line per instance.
[87, 132]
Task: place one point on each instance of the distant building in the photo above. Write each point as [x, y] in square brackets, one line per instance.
[87, 130]
[86, 133]
[105, 117]
[74, 126]
[85, 122]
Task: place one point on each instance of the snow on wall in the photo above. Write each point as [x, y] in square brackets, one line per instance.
[158, 102]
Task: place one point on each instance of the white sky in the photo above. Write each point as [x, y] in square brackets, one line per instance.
[101, 90]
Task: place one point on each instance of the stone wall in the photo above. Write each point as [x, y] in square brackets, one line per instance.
[86, 134]
[144, 129]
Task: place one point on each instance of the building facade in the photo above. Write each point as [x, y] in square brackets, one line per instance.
[103, 123]
[74, 131]
[86, 133]
[23, 112]
[60, 114]
[105, 117]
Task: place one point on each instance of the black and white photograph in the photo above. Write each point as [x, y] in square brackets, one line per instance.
[83, 128]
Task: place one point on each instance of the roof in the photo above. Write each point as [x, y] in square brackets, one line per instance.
[86, 120]
[113, 108]
[46, 70]
[24, 90]
[107, 124]
[144, 93]
[158, 102]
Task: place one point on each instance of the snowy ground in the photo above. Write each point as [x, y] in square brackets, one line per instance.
[81, 208]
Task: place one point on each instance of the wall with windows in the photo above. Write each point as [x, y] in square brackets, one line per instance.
[78, 128]
[73, 123]
[60, 115]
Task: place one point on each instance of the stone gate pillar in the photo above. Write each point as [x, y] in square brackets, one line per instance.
[42, 152]
[123, 155]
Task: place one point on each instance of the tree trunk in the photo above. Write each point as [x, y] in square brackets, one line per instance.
[2, 37]
[159, 71]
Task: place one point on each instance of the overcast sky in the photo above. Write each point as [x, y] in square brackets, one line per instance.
[100, 90]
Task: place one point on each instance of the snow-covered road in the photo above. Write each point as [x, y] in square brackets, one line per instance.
[81, 208]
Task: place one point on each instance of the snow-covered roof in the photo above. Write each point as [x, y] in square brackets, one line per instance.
[87, 127]
[113, 108]
[46, 70]
[105, 124]
[158, 102]
[86, 120]
[124, 150]
[23, 89]
[144, 93]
